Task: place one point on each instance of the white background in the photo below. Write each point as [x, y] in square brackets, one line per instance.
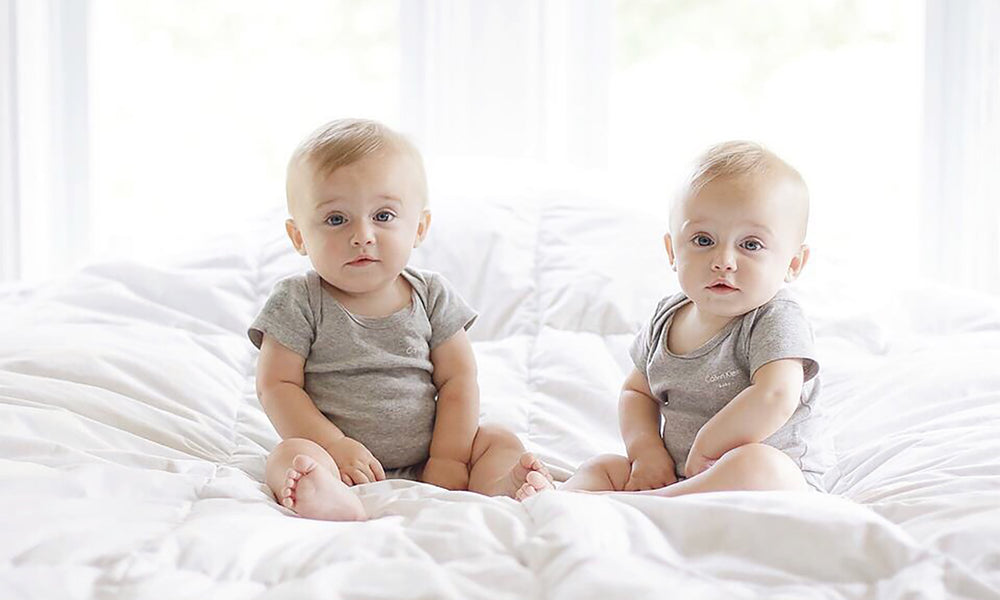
[137, 128]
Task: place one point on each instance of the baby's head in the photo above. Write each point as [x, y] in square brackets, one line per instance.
[357, 197]
[737, 228]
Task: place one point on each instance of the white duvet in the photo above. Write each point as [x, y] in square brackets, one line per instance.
[132, 445]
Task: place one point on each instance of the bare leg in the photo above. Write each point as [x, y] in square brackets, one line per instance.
[604, 473]
[500, 466]
[751, 467]
[304, 477]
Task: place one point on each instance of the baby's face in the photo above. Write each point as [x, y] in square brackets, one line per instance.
[359, 224]
[737, 241]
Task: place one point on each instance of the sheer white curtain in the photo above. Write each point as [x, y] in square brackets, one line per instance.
[43, 145]
[10, 231]
[518, 79]
[500, 79]
[961, 216]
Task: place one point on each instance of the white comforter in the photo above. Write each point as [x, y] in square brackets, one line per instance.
[132, 445]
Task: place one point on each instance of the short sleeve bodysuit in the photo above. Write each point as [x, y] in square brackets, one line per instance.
[693, 387]
[371, 376]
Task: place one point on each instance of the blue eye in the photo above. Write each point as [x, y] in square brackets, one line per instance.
[384, 216]
[752, 245]
[702, 241]
[335, 220]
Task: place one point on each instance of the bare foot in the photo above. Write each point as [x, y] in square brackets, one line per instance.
[531, 473]
[533, 484]
[314, 492]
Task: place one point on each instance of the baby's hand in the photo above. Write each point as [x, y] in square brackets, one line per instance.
[447, 473]
[651, 470]
[356, 463]
[697, 463]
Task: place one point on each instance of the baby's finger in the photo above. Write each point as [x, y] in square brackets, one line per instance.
[346, 479]
[359, 476]
[665, 479]
[378, 470]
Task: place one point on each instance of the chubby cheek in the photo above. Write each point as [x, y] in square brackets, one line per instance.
[691, 266]
[689, 281]
[396, 251]
[325, 251]
[767, 279]
[317, 245]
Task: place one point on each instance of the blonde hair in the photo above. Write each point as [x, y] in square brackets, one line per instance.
[737, 159]
[345, 141]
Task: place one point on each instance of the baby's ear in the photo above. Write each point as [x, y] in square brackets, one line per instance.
[422, 226]
[668, 243]
[798, 263]
[296, 236]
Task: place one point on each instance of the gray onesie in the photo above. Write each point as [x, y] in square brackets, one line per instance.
[371, 376]
[693, 387]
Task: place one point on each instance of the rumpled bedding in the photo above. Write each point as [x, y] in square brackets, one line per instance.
[132, 444]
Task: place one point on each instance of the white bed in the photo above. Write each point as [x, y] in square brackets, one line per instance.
[132, 445]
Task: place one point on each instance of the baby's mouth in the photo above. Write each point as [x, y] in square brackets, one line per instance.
[362, 261]
[722, 287]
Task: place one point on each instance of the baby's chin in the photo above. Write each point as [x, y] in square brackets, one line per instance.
[731, 305]
[726, 312]
[358, 283]
[728, 306]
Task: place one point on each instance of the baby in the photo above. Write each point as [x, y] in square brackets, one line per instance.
[365, 368]
[723, 395]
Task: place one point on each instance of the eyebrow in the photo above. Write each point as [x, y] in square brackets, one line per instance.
[751, 224]
[336, 199]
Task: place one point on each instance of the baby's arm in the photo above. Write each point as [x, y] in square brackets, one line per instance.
[752, 416]
[457, 418]
[639, 419]
[280, 388]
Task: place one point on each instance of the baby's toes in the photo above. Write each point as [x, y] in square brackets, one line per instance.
[531, 463]
[524, 492]
[544, 471]
[537, 481]
[288, 496]
[304, 464]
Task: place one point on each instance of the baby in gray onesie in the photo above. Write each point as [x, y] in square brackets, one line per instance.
[372, 376]
[365, 368]
[724, 393]
[693, 387]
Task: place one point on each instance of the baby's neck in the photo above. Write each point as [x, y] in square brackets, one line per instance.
[380, 302]
[690, 328]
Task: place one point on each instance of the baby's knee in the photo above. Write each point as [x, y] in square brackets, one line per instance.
[490, 435]
[282, 455]
[615, 467]
[765, 467]
[608, 461]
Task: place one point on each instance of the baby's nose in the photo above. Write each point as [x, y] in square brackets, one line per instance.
[363, 236]
[724, 261]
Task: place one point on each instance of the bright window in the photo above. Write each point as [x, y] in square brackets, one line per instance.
[196, 105]
[835, 87]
